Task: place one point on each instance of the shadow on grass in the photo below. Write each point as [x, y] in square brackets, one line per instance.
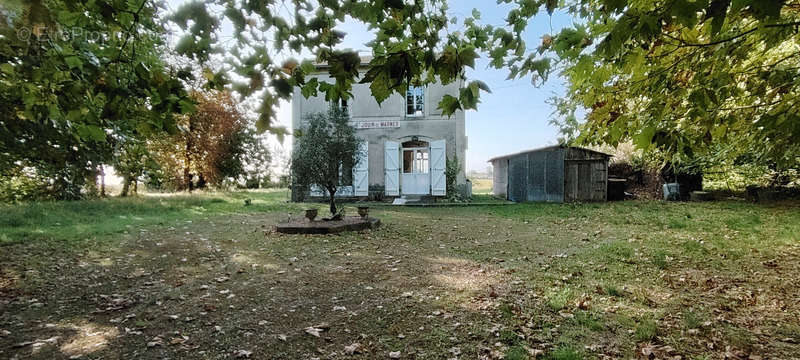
[218, 286]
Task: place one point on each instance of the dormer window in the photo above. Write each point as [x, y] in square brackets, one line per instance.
[415, 101]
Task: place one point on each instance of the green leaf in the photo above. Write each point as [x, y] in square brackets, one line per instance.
[644, 138]
[449, 105]
[481, 85]
[551, 6]
[92, 132]
[7, 68]
[73, 62]
[309, 88]
[187, 106]
[282, 87]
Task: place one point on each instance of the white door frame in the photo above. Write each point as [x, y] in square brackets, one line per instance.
[416, 182]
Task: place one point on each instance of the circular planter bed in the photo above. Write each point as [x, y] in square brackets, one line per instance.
[348, 223]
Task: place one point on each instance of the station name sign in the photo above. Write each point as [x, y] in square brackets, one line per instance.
[376, 124]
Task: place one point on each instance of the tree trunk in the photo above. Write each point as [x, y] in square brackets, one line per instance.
[136, 186]
[332, 192]
[187, 176]
[126, 183]
[102, 181]
[201, 181]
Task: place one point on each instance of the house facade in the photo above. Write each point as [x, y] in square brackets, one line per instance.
[406, 139]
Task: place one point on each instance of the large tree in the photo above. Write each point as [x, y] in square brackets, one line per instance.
[698, 81]
[326, 148]
[209, 146]
[75, 77]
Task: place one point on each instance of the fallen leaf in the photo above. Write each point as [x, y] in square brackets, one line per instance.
[394, 355]
[354, 348]
[313, 331]
[178, 340]
[242, 353]
[155, 342]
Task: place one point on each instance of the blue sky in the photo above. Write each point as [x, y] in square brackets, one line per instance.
[513, 117]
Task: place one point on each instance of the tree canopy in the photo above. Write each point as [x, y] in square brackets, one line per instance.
[687, 78]
[693, 79]
[78, 77]
[683, 77]
[326, 151]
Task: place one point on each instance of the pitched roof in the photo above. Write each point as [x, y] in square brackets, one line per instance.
[551, 147]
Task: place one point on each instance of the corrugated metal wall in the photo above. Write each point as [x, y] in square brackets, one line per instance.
[518, 178]
[537, 176]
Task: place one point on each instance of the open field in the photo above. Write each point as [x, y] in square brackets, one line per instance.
[481, 186]
[204, 276]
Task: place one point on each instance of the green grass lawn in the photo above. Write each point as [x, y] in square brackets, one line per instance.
[205, 276]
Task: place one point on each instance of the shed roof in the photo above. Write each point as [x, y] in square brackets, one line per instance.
[552, 147]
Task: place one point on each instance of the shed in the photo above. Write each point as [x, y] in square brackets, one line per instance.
[552, 174]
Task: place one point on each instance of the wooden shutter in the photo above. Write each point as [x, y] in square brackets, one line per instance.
[438, 161]
[361, 172]
[391, 165]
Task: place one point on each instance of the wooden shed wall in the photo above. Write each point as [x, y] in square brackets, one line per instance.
[585, 180]
[585, 175]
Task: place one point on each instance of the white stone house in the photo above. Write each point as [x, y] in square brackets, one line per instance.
[406, 138]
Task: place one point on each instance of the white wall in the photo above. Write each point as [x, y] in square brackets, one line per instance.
[500, 177]
[363, 107]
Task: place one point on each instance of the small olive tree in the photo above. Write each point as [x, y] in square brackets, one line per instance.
[325, 147]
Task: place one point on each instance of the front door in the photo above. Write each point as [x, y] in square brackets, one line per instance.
[416, 177]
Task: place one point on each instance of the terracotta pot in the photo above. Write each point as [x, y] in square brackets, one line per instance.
[311, 214]
[363, 211]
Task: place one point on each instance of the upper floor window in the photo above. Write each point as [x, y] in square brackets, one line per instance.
[415, 101]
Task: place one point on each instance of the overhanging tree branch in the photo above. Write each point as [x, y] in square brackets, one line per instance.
[732, 38]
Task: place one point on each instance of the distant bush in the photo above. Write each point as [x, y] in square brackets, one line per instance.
[21, 184]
